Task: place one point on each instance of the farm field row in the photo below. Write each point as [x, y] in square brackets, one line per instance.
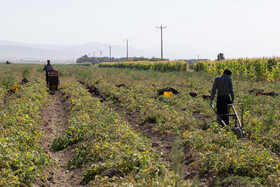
[217, 150]
[103, 142]
[21, 159]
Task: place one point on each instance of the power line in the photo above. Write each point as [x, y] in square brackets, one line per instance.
[161, 27]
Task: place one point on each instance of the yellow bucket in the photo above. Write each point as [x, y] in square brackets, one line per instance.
[167, 94]
[15, 88]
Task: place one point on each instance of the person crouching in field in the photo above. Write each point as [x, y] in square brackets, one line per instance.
[48, 67]
[224, 86]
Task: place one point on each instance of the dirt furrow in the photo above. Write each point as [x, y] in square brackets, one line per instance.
[162, 142]
[55, 116]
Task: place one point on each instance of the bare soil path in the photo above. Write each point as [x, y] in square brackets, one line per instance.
[162, 142]
[55, 116]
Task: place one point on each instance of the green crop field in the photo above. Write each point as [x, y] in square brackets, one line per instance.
[107, 126]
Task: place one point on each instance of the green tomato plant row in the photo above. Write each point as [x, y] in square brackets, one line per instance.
[22, 160]
[104, 141]
[253, 159]
[261, 117]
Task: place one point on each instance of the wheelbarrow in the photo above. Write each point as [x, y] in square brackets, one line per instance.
[53, 78]
[238, 127]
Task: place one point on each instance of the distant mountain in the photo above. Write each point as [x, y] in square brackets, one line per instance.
[17, 51]
[29, 53]
[41, 46]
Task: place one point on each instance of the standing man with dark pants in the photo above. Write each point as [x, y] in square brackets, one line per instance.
[224, 86]
[48, 67]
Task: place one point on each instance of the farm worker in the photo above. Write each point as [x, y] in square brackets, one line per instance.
[48, 67]
[224, 86]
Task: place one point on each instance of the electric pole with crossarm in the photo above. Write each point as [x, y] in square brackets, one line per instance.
[161, 27]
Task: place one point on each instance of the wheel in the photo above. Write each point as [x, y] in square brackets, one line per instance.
[238, 132]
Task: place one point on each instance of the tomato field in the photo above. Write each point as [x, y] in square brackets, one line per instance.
[108, 126]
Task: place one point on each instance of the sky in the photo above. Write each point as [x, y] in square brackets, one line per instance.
[195, 28]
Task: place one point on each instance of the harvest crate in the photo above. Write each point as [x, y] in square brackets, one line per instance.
[53, 77]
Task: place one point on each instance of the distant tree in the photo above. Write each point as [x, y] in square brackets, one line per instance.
[221, 57]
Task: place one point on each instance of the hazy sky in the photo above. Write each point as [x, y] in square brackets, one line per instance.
[238, 28]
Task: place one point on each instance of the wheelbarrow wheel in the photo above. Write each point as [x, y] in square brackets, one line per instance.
[238, 132]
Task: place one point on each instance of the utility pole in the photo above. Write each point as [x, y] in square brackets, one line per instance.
[100, 51]
[161, 27]
[93, 54]
[126, 48]
[110, 51]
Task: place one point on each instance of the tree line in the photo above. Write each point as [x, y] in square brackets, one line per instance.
[97, 60]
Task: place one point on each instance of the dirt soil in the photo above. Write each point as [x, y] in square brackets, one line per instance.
[55, 116]
[161, 142]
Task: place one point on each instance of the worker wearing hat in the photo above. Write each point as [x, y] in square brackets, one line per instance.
[224, 86]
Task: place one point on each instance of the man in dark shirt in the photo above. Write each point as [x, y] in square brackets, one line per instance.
[224, 86]
[48, 67]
